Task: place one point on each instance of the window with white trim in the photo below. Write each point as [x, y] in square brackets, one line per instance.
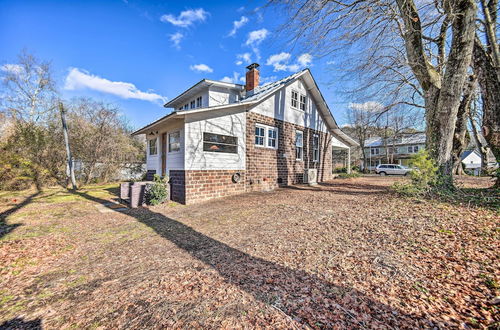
[302, 103]
[260, 135]
[375, 151]
[272, 137]
[220, 143]
[295, 99]
[174, 141]
[193, 104]
[186, 106]
[412, 149]
[315, 148]
[266, 136]
[299, 145]
[153, 148]
[198, 101]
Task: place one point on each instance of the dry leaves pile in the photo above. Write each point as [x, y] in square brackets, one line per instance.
[348, 254]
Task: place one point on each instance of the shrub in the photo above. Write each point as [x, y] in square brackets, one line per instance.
[349, 175]
[157, 192]
[423, 176]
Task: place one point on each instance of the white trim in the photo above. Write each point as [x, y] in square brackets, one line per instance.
[314, 149]
[266, 129]
[168, 142]
[301, 145]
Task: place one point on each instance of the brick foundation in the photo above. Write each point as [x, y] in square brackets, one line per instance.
[178, 186]
[207, 184]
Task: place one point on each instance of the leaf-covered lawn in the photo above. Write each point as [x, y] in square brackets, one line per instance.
[348, 253]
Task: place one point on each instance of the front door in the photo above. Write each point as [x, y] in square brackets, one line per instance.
[163, 154]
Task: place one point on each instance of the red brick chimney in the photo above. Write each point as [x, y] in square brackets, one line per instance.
[252, 77]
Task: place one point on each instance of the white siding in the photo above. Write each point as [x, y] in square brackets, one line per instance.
[279, 106]
[220, 96]
[337, 143]
[217, 122]
[175, 160]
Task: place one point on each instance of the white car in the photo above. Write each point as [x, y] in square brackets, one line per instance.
[392, 169]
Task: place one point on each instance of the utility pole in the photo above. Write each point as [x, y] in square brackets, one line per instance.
[71, 170]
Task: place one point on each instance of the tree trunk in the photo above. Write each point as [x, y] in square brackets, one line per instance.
[489, 82]
[442, 92]
[460, 137]
[68, 150]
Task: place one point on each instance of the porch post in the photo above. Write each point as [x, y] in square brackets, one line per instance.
[348, 167]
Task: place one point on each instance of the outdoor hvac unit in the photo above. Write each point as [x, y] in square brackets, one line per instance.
[311, 176]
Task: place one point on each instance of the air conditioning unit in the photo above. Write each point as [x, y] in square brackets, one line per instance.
[311, 176]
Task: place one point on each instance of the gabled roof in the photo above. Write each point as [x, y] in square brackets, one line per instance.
[466, 153]
[262, 92]
[199, 86]
[377, 141]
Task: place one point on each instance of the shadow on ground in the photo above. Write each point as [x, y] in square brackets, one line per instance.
[6, 228]
[301, 296]
[20, 323]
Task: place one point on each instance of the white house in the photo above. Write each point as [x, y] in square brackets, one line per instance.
[223, 139]
[472, 161]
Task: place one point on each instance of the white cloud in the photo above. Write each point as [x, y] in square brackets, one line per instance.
[234, 79]
[243, 58]
[237, 25]
[186, 18]
[256, 37]
[280, 62]
[12, 68]
[81, 79]
[305, 59]
[201, 68]
[176, 39]
[370, 106]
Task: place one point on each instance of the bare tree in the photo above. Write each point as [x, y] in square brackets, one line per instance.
[435, 38]
[28, 91]
[362, 118]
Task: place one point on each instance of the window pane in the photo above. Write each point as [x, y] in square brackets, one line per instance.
[217, 147]
[220, 143]
[174, 141]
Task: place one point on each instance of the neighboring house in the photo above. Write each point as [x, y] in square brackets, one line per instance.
[223, 139]
[472, 161]
[392, 151]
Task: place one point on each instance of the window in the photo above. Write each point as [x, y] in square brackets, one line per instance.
[315, 147]
[174, 141]
[220, 143]
[412, 149]
[295, 99]
[272, 137]
[260, 135]
[180, 108]
[302, 103]
[186, 106]
[375, 151]
[198, 102]
[266, 136]
[193, 104]
[299, 145]
[153, 149]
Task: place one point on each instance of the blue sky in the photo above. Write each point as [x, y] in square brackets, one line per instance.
[136, 54]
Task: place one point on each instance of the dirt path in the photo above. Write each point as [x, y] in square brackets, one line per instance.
[343, 254]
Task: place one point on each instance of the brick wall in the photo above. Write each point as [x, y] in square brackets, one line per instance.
[207, 184]
[178, 186]
[269, 168]
[266, 169]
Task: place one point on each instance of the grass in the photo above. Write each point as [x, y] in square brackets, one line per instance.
[348, 254]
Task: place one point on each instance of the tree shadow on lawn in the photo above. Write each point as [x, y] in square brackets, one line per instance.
[345, 189]
[20, 323]
[301, 296]
[6, 228]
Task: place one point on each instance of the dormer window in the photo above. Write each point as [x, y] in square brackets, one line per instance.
[198, 101]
